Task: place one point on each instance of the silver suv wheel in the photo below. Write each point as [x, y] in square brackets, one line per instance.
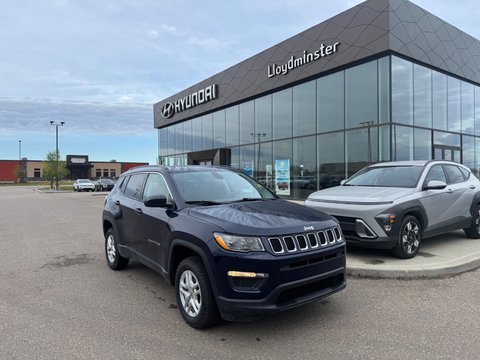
[190, 293]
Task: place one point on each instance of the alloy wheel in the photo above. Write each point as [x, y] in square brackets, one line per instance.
[410, 237]
[190, 293]
[111, 252]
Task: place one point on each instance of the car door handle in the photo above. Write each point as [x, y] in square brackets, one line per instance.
[450, 190]
[472, 187]
[139, 211]
[117, 202]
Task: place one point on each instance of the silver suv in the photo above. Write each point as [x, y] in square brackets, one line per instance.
[394, 205]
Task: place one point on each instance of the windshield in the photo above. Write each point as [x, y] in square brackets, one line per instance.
[218, 186]
[106, 181]
[388, 176]
[83, 181]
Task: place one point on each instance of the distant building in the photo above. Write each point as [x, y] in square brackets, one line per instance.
[78, 167]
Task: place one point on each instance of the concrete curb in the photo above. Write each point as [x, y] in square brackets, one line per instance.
[415, 273]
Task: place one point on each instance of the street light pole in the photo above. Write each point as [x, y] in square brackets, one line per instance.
[57, 156]
[368, 124]
[19, 149]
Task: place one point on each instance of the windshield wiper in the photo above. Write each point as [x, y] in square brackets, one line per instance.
[203, 202]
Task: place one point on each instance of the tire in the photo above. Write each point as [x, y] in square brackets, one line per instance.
[473, 231]
[114, 259]
[194, 294]
[409, 238]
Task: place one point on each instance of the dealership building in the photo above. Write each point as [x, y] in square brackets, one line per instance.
[385, 80]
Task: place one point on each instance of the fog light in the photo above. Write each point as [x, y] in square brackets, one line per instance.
[246, 274]
[387, 227]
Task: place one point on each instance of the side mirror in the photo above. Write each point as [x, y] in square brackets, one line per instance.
[156, 201]
[435, 185]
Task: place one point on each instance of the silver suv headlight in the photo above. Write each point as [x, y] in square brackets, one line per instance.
[238, 243]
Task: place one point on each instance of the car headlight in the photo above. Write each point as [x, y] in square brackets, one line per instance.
[386, 220]
[238, 243]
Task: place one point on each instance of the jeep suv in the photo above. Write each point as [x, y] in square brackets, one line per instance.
[230, 247]
[394, 205]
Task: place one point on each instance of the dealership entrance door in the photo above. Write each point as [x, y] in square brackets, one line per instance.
[446, 152]
[209, 157]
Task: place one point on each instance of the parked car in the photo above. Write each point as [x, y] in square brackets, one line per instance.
[83, 185]
[104, 185]
[397, 204]
[230, 247]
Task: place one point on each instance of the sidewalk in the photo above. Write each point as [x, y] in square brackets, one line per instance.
[440, 256]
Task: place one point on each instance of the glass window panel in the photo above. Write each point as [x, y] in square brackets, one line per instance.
[330, 102]
[331, 159]
[304, 109]
[477, 157]
[197, 134]
[282, 114]
[384, 143]
[171, 139]
[402, 91]
[188, 138]
[282, 150]
[384, 89]
[422, 149]
[179, 138]
[361, 94]
[423, 96]
[361, 149]
[219, 138]
[264, 169]
[402, 138]
[263, 117]
[162, 142]
[247, 159]
[235, 157]
[468, 148]
[468, 108]
[454, 121]
[247, 119]
[439, 88]
[304, 165]
[233, 129]
[443, 138]
[477, 110]
[207, 132]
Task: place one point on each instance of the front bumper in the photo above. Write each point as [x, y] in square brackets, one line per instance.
[293, 280]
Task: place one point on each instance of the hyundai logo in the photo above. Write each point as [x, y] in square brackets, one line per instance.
[168, 110]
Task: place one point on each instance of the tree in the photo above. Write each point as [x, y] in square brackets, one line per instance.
[20, 173]
[54, 168]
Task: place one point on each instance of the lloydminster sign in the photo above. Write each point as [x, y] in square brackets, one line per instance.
[307, 57]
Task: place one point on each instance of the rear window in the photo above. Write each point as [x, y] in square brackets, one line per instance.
[388, 176]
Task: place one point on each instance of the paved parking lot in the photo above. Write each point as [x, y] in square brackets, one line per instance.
[59, 300]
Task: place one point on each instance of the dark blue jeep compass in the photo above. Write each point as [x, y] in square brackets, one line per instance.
[231, 247]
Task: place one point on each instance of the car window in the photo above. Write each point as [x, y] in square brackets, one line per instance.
[454, 174]
[156, 185]
[465, 172]
[123, 185]
[436, 173]
[218, 186]
[135, 186]
[388, 176]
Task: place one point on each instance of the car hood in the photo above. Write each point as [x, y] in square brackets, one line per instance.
[268, 217]
[360, 195]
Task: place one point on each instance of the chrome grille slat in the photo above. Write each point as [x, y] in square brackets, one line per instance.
[289, 244]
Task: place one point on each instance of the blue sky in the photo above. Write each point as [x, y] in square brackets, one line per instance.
[101, 65]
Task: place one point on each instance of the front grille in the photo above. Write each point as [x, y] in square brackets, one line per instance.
[303, 242]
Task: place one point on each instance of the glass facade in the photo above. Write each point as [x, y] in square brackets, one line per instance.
[324, 130]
